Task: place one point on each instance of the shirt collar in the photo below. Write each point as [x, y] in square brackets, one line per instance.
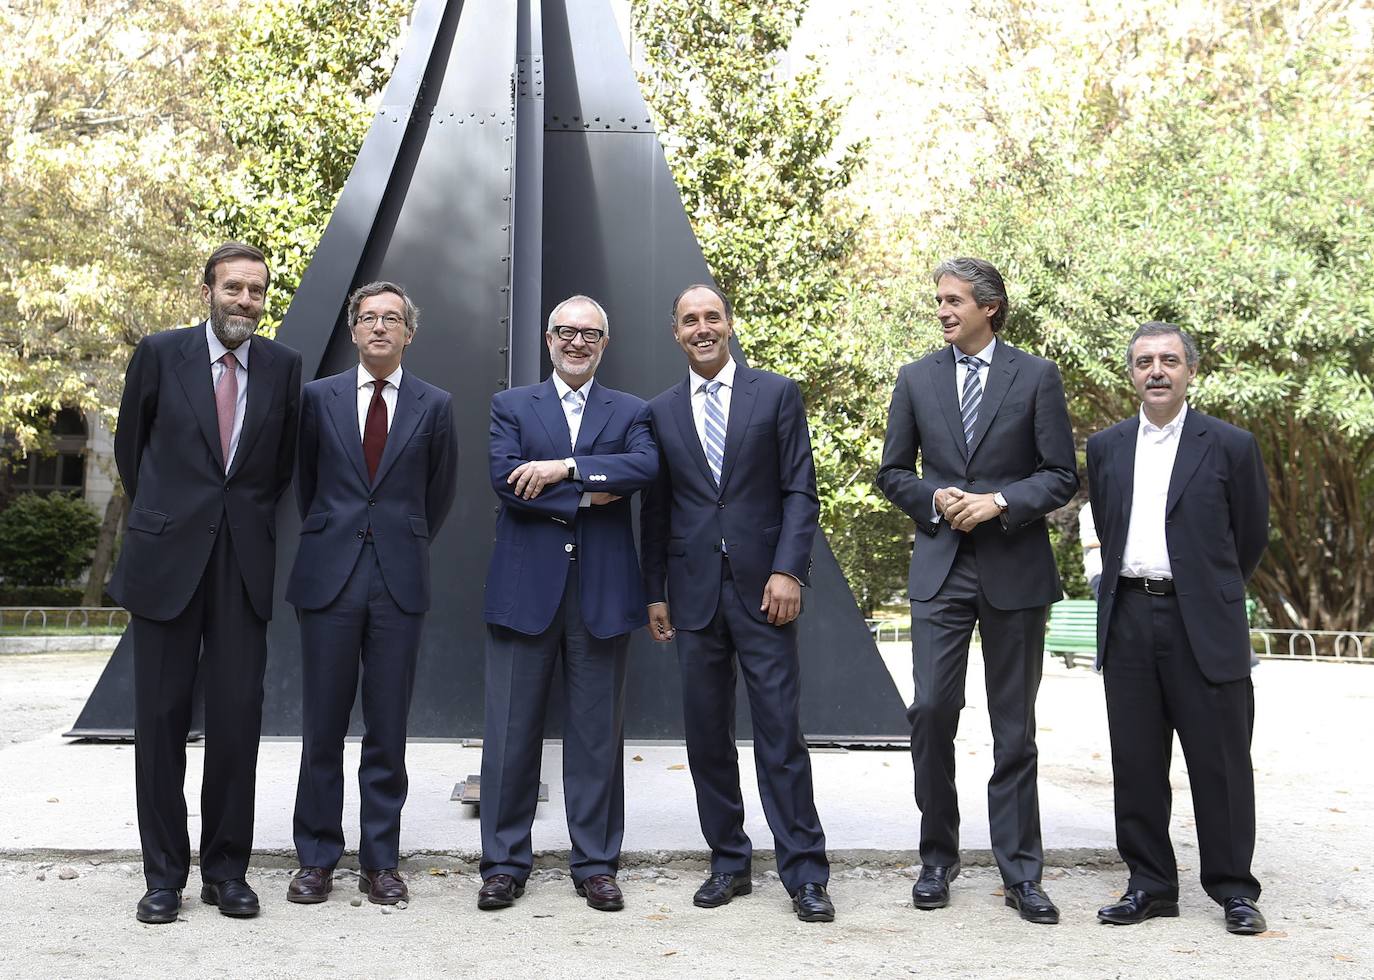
[562, 387]
[726, 376]
[1169, 428]
[984, 355]
[218, 350]
[393, 379]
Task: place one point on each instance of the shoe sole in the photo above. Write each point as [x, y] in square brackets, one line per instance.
[600, 906]
[814, 916]
[155, 920]
[1167, 912]
[308, 899]
[208, 898]
[1246, 930]
[492, 904]
[1039, 918]
[747, 889]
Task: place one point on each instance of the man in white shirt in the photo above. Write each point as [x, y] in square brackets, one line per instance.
[1182, 508]
[375, 478]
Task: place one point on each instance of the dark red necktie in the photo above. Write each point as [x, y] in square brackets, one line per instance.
[374, 430]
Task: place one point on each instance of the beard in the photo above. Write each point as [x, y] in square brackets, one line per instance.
[575, 369]
[231, 329]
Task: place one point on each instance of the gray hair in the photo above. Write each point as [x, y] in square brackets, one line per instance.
[988, 287]
[1158, 328]
[553, 314]
[412, 312]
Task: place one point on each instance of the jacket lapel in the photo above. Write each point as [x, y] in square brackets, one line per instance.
[1124, 472]
[687, 427]
[945, 386]
[262, 381]
[596, 412]
[409, 407]
[741, 410]
[550, 411]
[1193, 443]
[343, 412]
[1001, 373]
[194, 374]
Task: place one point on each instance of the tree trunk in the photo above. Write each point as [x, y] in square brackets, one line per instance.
[105, 546]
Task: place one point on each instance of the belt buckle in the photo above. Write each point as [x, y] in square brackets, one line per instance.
[1150, 591]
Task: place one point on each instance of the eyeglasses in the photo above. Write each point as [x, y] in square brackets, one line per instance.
[591, 335]
[390, 319]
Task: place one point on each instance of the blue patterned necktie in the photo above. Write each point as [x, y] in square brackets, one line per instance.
[973, 395]
[715, 428]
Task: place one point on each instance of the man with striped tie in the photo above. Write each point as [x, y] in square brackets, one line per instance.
[563, 585]
[996, 451]
[727, 532]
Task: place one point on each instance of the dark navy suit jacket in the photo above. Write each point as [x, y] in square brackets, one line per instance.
[1216, 525]
[765, 509]
[404, 506]
[168, 453]
[529, 562]
[1022, 446]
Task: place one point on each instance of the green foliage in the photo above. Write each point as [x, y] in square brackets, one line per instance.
[46, 540]
[295, 102]
[1068, 554]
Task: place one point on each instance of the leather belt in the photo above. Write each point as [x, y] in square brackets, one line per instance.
[1150, 586]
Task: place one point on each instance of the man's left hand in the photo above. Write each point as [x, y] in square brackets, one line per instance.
[781, 599]
[532, 477]
[970, 510]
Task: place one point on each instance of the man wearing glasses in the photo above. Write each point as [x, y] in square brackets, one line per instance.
[375, 475]
[564, 583]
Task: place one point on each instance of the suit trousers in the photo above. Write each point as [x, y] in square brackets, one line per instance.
[362, 628]
[1154, 688]
[1013, 643]
[519, 671]
[772, 675]
[220, 636]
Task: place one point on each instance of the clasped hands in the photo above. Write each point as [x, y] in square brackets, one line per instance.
[963, 510]
[781, 601]
[530, 479]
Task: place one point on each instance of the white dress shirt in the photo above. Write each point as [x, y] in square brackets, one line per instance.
[574, 421]
[391, 387]
[1146, 554]
[726, 377]
[218, 350]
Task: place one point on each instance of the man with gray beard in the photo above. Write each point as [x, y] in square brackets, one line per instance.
[204, 446]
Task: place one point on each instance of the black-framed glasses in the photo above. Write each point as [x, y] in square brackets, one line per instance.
[591, 335]
[390, 319]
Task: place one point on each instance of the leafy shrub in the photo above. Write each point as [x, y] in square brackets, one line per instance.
[46, 540]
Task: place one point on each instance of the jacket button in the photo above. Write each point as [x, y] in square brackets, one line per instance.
[360, 534]
[372, 502]
[212, 529]
[568, 548]
[721, 505]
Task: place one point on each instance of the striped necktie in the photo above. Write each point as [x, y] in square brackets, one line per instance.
[973, 395]
[715, 428]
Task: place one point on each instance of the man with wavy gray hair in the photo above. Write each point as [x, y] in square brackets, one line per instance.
[375, 476]
[991, 427]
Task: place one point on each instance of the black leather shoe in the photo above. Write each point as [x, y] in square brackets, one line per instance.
[602, 893]
[234, 898]
[720, 887]
[931, 890]
[1137, 906]
[383, 887]
[812, 903]
[1243, 916]
[499, 892]
[1030, 900]
[159, 906]
[310, 886]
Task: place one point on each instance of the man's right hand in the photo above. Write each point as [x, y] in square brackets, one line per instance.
[660, 626]
[944, 497]
[601, 497]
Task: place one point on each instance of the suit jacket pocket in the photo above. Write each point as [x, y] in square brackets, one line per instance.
[147, 520]
[315, 522]
[418, 526]
[770, 535]
[1233, 590]
[1015, 408]
[677, 547]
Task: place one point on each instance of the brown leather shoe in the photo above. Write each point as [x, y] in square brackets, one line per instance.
[383, 887]
[310, 886]
[602, 893]
[499, 892]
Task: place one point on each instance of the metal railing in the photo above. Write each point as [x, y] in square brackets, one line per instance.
[66, 617]
[886, 631]
[1332, 646]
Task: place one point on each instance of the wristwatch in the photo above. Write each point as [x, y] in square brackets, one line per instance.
[1000, 501]
[572, 468]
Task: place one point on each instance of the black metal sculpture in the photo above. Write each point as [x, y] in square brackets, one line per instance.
[513, 163]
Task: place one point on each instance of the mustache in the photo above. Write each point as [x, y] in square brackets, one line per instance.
[1158, 383]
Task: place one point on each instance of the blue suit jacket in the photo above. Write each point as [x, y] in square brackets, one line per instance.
[1216, 526]
[404, 506]
[529, 562]
[169, 458]
[765, 509]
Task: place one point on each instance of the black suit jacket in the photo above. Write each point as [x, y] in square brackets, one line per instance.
[168, 454]
[1216, 524]
[765, 509]
[404, 506]
[1022, 446]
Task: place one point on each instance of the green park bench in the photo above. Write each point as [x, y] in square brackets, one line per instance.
[1072, 631]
